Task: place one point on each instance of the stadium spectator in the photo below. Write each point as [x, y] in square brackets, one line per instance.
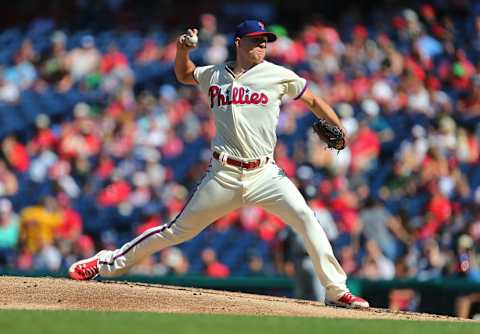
[8, 181]
[377, 266]
[208, 28]
[468, 265]
[53, 69]
[9, 233]
[9, 93]
[71, 226]
[23, 73]
[175, 261]
[16, 154]
[431, 264]
[212, 266]
[83, 60]
[38, 224]
[376, 222]
[149, 53]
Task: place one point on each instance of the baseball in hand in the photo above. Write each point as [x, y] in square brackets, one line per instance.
[191, 40]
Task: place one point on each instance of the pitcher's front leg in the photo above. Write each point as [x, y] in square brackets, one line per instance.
[277, 194]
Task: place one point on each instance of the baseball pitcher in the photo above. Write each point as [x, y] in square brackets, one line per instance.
[244, 96]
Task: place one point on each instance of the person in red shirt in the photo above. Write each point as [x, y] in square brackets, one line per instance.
[72, 225]
[365, 147]
[105, 168]
[212, 266]
[115, 193]
[16, 154]
[112, 60]
[44, 138]
[438, 212]
[149, 53]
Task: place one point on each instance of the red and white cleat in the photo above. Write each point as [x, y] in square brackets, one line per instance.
[84, 270]
[348, 300]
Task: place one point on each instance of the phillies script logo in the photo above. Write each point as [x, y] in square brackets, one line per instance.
[238, 95]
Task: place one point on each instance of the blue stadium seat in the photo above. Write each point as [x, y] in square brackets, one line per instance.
[31, 106]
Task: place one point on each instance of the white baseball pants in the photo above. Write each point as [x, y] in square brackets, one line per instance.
[223, 189]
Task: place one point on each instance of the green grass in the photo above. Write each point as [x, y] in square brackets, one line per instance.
[72, 322]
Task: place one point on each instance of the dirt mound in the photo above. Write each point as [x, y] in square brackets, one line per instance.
[54, 293]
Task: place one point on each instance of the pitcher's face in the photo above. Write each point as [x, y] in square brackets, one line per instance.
[253, 48]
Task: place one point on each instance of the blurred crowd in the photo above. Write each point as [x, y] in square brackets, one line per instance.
[403, 200]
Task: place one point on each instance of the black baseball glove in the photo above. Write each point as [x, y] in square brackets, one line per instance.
[331, 134]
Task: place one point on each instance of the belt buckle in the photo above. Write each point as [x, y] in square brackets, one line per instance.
[223, 157]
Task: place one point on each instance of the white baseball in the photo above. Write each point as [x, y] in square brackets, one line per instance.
[191, 40]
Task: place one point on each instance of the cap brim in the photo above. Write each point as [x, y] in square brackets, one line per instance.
[271, 37]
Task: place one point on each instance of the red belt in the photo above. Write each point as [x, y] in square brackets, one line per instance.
[237, 163]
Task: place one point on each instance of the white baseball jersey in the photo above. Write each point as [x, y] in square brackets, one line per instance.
[246, 107]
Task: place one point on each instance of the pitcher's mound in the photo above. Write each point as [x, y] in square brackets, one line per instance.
[55, 294]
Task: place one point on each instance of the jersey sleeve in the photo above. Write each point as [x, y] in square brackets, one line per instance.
[202, 75]
[294, 85]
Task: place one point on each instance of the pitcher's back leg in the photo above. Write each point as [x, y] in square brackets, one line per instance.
[209, 202]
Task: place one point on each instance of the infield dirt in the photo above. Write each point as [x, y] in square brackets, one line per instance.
[57, 294]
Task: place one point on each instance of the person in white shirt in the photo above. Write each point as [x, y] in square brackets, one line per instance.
[245, 97]
[83, 60]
